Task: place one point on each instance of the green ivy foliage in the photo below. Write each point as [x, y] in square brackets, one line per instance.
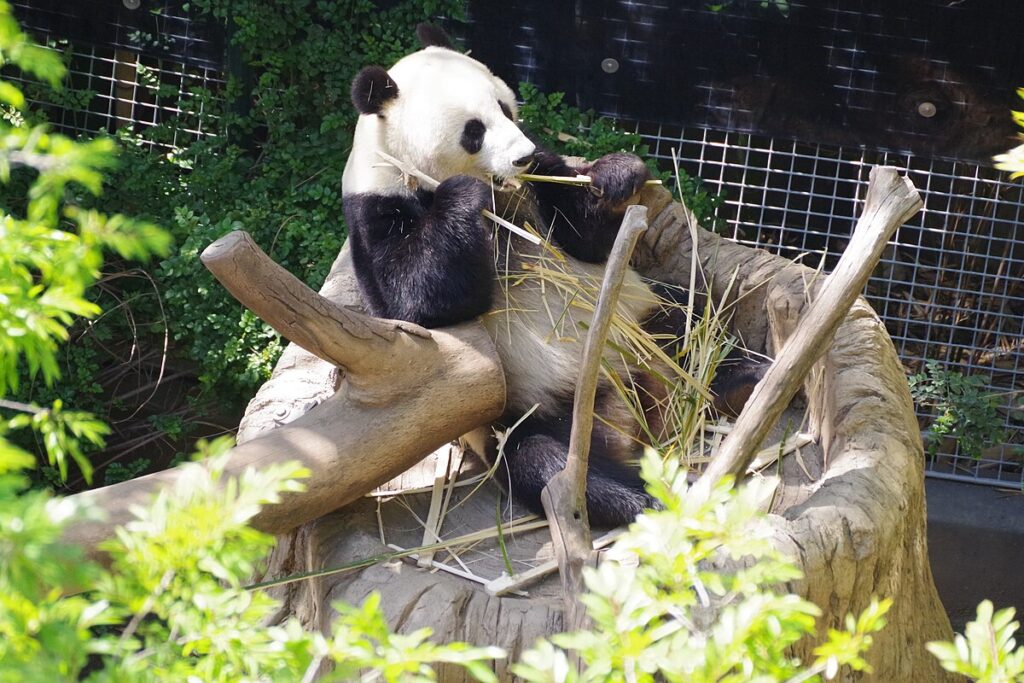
[51, 249]
[302, 58]
[281, 133]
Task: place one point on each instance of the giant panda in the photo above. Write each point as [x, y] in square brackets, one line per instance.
[431, 258]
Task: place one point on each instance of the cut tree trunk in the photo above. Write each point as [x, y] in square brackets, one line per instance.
[850, 511]
[858, 529]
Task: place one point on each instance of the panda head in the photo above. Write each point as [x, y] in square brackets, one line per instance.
[442, 112]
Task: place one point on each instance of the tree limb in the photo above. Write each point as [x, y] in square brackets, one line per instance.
[406, 392]
[372, 350]
[564, 497]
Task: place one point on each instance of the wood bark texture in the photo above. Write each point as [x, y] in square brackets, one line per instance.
[857, 529]
[565, 496]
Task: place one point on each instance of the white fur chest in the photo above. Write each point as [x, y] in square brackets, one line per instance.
[543, 308]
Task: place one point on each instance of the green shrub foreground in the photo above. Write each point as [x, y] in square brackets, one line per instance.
[173, 605]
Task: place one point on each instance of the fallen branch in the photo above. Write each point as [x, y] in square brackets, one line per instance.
[506, 584]
[891, 200]
[406, 391]
[564, 497]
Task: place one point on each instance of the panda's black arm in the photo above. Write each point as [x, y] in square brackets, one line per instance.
[425, 259]
[585, 219]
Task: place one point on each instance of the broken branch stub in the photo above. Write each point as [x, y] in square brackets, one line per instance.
[371, 350]
[891, 201]
[405, 392]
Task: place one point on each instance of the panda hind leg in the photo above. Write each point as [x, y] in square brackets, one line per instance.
[535, 452]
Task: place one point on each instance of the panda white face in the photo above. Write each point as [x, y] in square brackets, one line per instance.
[450, 116]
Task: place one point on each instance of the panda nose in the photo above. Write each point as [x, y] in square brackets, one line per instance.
[522, 162]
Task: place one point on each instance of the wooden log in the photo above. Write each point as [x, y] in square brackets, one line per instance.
[406, 391]
[891, 200]
[857, 529]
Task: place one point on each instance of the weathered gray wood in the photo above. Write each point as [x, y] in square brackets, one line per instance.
[565, 495]
[858, 529]
[891, 200]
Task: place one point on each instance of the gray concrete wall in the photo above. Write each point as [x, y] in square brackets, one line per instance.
[976, 544]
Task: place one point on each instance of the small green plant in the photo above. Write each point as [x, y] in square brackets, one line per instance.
[963, 410]
[781, 5]
[663, 608]
[567, 130]
[987, 651]
[1013, 160]
[123, 471]
[51, 250]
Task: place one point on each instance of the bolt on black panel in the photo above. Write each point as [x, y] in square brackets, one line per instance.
[929, 76]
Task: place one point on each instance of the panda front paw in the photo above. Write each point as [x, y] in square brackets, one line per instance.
[616, 178]
[462, 195]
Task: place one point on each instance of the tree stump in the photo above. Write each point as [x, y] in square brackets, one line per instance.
[851, 511]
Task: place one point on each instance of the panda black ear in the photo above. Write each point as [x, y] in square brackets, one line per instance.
[432, 35]
[372, 89]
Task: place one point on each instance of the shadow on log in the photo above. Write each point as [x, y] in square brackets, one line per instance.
[852, 515]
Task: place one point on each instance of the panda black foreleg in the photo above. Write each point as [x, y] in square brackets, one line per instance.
[426, 259]
[585, 220]
[537, 450]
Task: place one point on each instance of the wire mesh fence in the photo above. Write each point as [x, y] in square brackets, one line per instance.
[932, 76]
[121, 75]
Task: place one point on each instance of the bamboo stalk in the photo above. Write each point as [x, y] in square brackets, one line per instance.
[567, 180]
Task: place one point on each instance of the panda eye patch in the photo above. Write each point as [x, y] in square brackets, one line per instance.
[473, 136]
[506, 110]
